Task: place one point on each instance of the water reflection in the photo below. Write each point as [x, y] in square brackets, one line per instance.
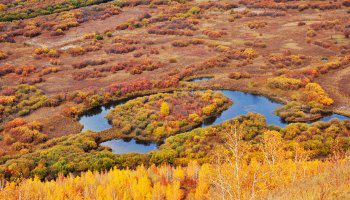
[243, 103]
[122, 146]
[200, 79]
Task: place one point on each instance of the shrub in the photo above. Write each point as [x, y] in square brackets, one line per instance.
[121, 49]
[256, 25]
[7, 100]
[31, 80]
[86, 63]
[311, 33]
[57, 32]
[172, 60]
[23, 112]
[286, 60]
[214, 34]
[284, 83]
[347, 33]
[40, 51]
[164, 109]
[239, 75]
[76, 51]
[194, 117]
[314, 92]
[95, 100]
[98, 37]
[3, 55]
[249, 53]
[6, 69]
[14, 123]
[48, 70]
[2, 7]
[25, 70]
[208, 110]
[52, 53]
[82, 75]
[346, 3]
[109, 34]
[89, 35]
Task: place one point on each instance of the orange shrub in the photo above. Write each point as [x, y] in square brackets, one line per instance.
[256, 25]
[314, 92]
[25, 70]
[6, 69]
[5, 100]
[14, 123]
[48, 70]
[3, 55]
[239, 75]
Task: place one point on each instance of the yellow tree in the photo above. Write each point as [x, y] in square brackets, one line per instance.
[227, 177]
[164, 109]
[272, 146]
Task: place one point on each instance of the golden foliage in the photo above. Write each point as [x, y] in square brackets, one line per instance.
[255, 179]
[314, 92]
[164, 109]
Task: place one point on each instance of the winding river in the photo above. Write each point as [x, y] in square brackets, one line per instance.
[243, 103]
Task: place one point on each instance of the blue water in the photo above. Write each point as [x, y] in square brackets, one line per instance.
[334, 116]
[96, 122]
[200, 79]
[120, 146]
[243, 103]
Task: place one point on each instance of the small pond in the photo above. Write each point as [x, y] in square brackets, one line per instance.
[243, 103]
[95, 119]
[200, 79]
[120, 146]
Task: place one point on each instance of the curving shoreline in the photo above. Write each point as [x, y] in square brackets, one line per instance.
[243, 103]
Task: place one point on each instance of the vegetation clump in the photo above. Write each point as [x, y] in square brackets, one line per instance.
[3, 55]
[312, 103]
[158, 116]
[21, 136]
[20, 101]
[285, 83]
[239, 75]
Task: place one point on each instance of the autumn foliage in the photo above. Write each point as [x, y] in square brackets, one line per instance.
[158, 116]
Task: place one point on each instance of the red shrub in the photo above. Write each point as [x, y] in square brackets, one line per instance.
[86, 63]
[6, 69]
[31, 80]
[25, 70]
[346, 3]
[121, 49]
[81, 75]
[347, 33]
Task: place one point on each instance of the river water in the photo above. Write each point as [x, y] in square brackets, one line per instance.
[243, 103]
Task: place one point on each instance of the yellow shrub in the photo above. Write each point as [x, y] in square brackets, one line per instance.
[2, 7]
[284, 83]
[314, 92]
